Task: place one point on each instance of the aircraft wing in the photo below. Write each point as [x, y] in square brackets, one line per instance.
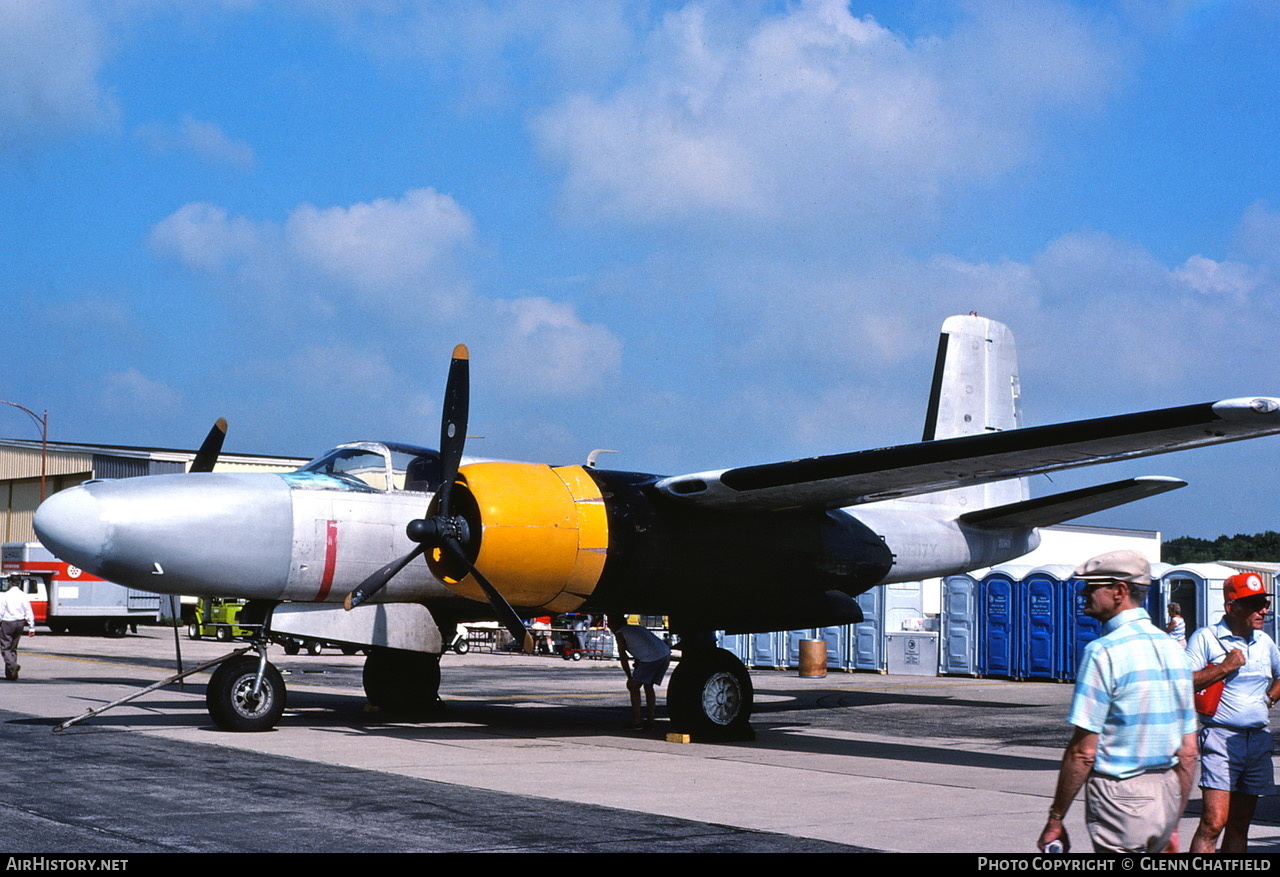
[842, 480]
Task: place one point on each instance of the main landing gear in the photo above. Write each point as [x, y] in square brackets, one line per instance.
[710, 695]
[247, 693]
[402, 682]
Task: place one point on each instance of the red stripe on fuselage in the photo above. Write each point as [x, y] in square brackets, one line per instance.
[330, 559]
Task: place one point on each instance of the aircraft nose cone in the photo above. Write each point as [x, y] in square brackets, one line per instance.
[201, 533]
[70, 524]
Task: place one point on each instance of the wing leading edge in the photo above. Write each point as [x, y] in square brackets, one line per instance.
[841, 480]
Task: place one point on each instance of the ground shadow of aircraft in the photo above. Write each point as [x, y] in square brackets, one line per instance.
[779, 546]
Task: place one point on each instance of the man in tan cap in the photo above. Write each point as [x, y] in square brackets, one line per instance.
[1235, 743]
[1134, 739]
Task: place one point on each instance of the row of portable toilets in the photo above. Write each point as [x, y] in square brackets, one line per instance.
[1013, 622]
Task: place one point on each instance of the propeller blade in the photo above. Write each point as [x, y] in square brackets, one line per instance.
[207, 456]
[510, 620]
[379, 579]
[453, 422]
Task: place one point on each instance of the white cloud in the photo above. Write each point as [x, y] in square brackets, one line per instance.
[204, 237]
[377, 251]
[813, 110]
[51, 52]
[1258, 233]
[134, 391]
[1217, 278]
[385, 271]
[204, 139]
[385, 244]
[544, 347]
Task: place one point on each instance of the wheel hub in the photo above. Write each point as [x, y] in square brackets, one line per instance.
[247, 703]
[722, 698]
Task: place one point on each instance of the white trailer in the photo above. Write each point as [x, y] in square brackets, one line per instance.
[69, 600]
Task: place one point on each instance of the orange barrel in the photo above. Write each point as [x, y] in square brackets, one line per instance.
[813, 658]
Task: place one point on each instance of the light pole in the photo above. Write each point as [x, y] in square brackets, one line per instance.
[43, 423]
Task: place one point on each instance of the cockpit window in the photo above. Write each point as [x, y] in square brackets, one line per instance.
[361, 466]
[379, 466]
[415, 468]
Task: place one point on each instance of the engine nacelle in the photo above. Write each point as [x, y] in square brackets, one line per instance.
[568, 538]
[542, 534]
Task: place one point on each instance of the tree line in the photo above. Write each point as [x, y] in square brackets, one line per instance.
[1257, 547]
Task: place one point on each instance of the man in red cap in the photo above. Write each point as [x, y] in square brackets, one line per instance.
[1235, 744]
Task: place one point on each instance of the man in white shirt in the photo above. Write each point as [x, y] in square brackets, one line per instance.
[15, 614]
[1235, 742]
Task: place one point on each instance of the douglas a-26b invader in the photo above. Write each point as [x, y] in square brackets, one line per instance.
[756, 548]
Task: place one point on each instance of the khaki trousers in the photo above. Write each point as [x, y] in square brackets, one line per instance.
[1137, 815]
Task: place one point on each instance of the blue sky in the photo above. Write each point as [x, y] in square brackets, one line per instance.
[703, 233]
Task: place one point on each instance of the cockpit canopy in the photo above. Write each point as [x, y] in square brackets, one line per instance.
[380, 466]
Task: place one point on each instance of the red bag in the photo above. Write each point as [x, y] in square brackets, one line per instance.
[1207, 700]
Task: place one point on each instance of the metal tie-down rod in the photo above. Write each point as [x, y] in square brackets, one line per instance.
[137, 694]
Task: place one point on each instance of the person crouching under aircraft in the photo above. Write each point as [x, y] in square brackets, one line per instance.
[652, 658]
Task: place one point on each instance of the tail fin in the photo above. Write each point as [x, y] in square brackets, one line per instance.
[975, 380]
[975, 390]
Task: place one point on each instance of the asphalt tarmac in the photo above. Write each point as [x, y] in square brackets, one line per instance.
[528, 755]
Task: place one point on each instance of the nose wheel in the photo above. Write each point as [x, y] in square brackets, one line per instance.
[237, 701]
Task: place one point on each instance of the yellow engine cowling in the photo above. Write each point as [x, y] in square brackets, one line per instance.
[543, 534]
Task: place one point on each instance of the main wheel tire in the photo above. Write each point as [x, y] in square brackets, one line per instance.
[115, 628]
[399, 681]
[230, 699]
[710, 695]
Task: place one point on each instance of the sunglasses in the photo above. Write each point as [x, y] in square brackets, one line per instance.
[1254, 604]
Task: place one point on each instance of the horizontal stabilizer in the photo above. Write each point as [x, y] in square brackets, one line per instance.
[842, 480]
[1045, 511]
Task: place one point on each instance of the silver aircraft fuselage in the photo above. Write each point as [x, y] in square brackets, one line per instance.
[297, 536]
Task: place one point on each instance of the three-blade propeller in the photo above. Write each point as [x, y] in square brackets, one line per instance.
[445, 531]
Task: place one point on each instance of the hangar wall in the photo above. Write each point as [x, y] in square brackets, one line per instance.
[68, 464]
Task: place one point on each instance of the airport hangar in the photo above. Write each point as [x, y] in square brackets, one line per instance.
[66, 464]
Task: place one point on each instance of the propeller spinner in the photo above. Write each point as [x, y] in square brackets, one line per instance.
[443, 531]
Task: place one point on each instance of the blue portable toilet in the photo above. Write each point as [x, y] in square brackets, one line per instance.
[1001, 648]
[1197, 587]
[737, 643]
[790, 645]
[1084, 629]
[1049, 623]
[958, 654]
[768, 650]
[868, 644]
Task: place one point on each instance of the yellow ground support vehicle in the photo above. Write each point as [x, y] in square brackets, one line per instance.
[216, 617]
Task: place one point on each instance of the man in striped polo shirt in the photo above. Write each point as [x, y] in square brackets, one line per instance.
[1134, 739]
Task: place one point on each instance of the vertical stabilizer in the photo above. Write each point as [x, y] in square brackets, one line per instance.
[975, 380]
[975, 390]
